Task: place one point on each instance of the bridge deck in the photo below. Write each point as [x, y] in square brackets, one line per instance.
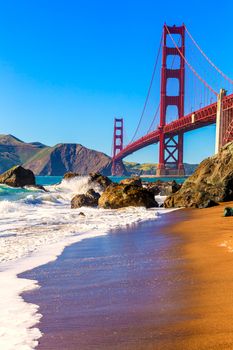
[200, 118]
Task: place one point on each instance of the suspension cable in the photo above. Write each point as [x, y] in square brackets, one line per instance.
[157, 109]
[156, 113]
[189, 65]
[149, 90]
[207, 58]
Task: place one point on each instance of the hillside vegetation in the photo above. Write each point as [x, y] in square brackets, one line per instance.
[64, 157]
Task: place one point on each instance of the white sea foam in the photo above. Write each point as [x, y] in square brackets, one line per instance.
[34, 229]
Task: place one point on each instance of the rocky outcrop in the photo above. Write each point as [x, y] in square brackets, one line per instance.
[102, 181]
[119, 195]
[164, 188]
[38, 187]
[132, 181]
[212, 182]
[18, 177]
[90, 199]
[70, 175]
[189, 199]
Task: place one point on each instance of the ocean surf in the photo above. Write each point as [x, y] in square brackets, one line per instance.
[35, 227]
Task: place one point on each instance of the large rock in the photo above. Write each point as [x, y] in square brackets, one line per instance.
[38, 187]
[18, 177]
[132, 181]
[101, 180]
[119, 195]
[90, 199]
[189, 199]
[212, 182]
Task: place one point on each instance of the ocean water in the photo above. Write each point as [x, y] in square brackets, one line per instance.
[179, 180]
[35, 226]
[51, 180]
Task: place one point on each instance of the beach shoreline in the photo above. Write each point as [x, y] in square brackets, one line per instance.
[208, 248]
[133, 279]
[199, 301]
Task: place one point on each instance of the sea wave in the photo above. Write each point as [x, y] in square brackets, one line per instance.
[35, 227]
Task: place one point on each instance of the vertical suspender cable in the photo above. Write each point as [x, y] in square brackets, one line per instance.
[149, 90]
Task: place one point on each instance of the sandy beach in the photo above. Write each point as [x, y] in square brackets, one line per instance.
[158, 285]
[208, 250]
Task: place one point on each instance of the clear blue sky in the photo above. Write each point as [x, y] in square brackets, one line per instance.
[68, 67]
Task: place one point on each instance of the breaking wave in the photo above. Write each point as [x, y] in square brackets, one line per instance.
[35, 227]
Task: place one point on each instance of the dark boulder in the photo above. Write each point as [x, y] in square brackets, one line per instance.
[101, 180]
[164, 188]
[70, 175]
[153, 188]
[136, 181]
[175, 186]
[119, 195]
[212, 182]
[18, 177]
[38, 187]
[228, 211]
[90, 199]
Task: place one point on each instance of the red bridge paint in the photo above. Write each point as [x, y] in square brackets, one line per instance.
[117, 166]
[171, 147]
[170, 136]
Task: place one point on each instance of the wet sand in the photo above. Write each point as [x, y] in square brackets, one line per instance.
[211, 265]
[165, 284]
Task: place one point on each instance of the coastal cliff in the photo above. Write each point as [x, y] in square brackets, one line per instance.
[57, 160]
[212, 182]
[62, 158]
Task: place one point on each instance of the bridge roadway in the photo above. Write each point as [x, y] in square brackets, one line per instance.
[202, 117]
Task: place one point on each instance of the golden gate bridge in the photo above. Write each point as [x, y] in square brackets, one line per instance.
[188, 100]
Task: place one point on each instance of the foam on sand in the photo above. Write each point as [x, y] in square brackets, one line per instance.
[34, 229]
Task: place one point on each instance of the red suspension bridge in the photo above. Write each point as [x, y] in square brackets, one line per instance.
[188, 100]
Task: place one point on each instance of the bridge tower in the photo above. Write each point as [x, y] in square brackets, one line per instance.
[171, 148]
[117, 165]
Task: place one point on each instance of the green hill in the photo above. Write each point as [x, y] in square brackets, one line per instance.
[62, 158]
[14, 151]
[150, 168]
[57, 160]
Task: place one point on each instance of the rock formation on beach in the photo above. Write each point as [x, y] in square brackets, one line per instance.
[110, 195]
[90, 199]
[120, 195]
[18, 177]
[70, 175]
[212, 182]
[101, 180]
[132, 181]
[163, 188]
